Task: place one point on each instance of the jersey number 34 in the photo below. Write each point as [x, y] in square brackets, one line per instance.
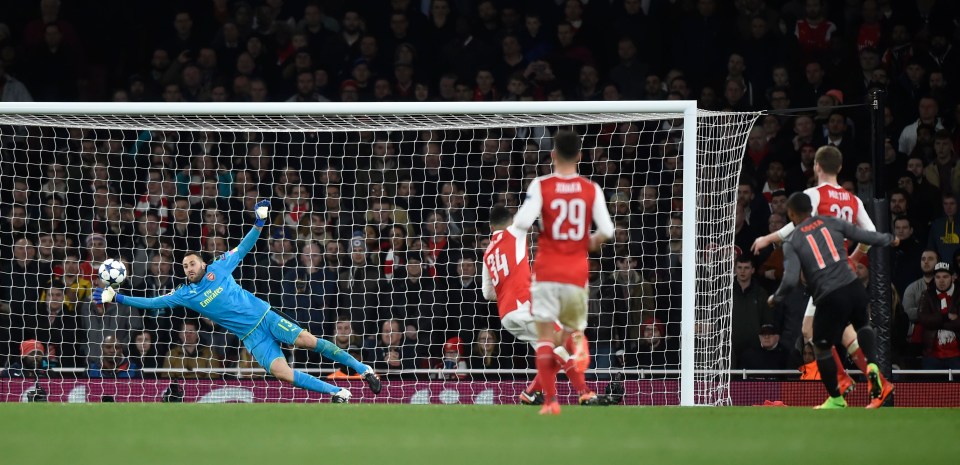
[498, 265]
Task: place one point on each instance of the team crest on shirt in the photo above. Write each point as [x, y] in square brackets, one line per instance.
[211, 276]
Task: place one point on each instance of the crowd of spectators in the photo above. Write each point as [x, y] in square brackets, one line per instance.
[377, 236]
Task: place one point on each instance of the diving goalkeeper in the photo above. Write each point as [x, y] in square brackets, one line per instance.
[212, 292]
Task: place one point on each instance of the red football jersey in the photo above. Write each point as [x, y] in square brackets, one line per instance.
[567, 205]
[507, 267]
[837, 202]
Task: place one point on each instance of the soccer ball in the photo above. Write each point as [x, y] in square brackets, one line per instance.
[112, 272]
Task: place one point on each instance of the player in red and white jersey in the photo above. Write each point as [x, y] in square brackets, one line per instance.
[829, 199]
[566, 204]
[506, 280]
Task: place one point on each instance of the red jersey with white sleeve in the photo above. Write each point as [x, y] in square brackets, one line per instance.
[506, 271]
[834, 201]
[566, 205]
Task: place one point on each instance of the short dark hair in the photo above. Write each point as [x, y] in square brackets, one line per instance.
[746, 258]
[778, 193]
[204, 256]
[800, 203]
[566, 144]
[499, 215]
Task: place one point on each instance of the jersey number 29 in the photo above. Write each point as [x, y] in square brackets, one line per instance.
[498, 264]
[573, 211]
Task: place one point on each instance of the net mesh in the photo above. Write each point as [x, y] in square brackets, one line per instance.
[376, 229]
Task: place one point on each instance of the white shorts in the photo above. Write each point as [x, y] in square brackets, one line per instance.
[561, 302]
[521, 325]
[811, 308]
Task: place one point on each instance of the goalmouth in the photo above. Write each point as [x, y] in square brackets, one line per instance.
[706, 148]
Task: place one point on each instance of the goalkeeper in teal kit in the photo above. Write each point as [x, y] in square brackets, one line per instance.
[212, 292]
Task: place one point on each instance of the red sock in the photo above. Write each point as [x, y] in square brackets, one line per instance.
[841, 371]
[860, 360]
[547, 370]
[534, 385]
[576, 377]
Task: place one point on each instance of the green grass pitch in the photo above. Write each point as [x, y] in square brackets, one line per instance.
[287, 434]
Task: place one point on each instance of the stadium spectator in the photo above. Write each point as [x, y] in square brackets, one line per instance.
[183, 230]
[928, 111]
[938, 315]
[13, 89]
[749, 307]
[905, 256]
[160, 321]
[32, 363]
[632, 300]
[652, 349]
[113, 363]
[452, 359]
[307, 288]
[143, 352]
[20, 283]
[59, 328]
[102, 320]
[465, 306]
[943, 234]
[769, 354]
[390, 352]
[146, 245]
[189, 356]
[485, 355]
[75, 287]
[96, 254]
[771, 270]
[271, 268]
[414, 296]
[360, 285]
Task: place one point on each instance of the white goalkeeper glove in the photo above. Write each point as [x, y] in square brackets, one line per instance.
[262, 209]
[104, 295]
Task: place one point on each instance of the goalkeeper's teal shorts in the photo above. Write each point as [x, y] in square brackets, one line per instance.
[263, 341]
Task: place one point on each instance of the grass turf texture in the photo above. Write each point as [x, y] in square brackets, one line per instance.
[267, 434]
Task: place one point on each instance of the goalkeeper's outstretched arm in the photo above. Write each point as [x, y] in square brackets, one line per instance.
[231, 259]
[106, 295]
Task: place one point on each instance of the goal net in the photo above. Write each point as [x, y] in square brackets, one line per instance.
[378, 222]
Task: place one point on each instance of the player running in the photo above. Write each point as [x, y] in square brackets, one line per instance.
[831, 200]
[506, 280]
[212, 292]
[815, 248]
[566, 203]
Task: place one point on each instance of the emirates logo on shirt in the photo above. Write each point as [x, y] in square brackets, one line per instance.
[211, 276]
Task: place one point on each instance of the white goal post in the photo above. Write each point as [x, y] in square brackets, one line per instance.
[708, 145]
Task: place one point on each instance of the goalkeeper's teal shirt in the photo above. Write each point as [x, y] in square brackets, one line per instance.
[216, 296]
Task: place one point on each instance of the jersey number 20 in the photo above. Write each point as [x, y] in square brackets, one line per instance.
[497, 262]
[843, 213]
[573, 211]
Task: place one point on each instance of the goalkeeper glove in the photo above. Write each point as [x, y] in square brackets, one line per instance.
[105, 295]
[262, 209]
